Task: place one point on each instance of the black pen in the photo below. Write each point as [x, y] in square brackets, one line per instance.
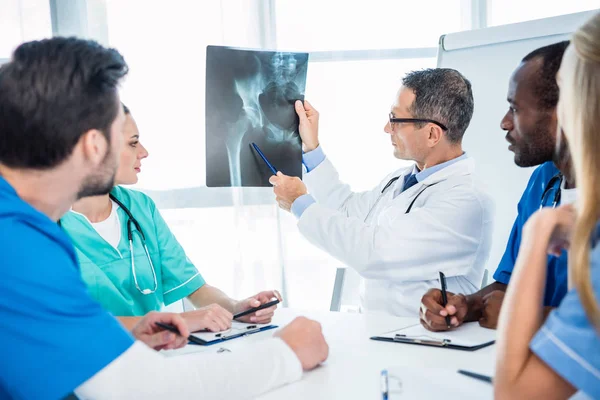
[255, 309]
[168, 327]
[173, 329]
[473, 375]
[444, 295]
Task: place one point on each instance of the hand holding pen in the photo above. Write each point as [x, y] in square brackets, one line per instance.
[259, 308]
[444, 297]
[149, 331]
[286, 188]
[434, 310]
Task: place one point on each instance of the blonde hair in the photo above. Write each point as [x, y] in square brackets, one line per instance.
[579, 115]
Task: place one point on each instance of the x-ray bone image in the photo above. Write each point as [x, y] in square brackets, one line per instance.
[250, 97]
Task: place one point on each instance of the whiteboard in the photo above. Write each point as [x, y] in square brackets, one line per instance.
[487, 58]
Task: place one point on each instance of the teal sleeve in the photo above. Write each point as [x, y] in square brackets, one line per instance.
[180, 278]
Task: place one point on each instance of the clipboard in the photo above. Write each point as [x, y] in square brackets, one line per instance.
[467, 337]
[238, 329]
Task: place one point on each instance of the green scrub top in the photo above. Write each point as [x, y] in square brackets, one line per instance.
[107, 270]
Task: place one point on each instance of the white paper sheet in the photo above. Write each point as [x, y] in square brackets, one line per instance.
[435, 384]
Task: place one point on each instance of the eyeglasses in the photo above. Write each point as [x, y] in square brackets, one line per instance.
[394, 120]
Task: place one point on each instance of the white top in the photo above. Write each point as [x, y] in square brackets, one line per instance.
[143, 373]
[398, 255]
[110, 228]
[567, 196]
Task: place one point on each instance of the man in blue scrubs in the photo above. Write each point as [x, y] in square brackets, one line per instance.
[45, 327]
[531, 125]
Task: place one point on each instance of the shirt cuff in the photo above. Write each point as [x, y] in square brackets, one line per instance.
[312, 159]
[502, 276]
[301, 204]
[292, 368]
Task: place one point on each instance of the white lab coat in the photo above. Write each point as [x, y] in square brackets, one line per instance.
[399, 255]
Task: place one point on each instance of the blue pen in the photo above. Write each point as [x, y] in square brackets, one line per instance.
[385, 387]
[260, 153]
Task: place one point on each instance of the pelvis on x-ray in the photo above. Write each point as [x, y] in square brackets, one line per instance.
[250, 98]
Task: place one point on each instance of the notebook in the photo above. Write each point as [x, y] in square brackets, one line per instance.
[469, 336]
[237, 329]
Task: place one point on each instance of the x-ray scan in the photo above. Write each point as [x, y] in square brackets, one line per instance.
[250, 99]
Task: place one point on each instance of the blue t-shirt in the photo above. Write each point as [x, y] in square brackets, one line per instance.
[54, 336]
[568, 343]
[556, 281]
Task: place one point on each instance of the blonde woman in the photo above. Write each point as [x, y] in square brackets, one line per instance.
[559, 357]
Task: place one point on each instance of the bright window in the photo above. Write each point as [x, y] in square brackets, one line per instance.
[21, 21]
[317, 25]
[502, 12]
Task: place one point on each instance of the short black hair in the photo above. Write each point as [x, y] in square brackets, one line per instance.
[126, 109]
[52, 91]
[444, 95]
[545, 87]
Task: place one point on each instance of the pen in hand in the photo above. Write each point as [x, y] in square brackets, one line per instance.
[264, 158]
[168, 327]
[255, 309]
[190, 338]
[444, 296]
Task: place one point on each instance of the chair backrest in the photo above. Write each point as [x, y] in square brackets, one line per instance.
[484, 280]
[338, 285]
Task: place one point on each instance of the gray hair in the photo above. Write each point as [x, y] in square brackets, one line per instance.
[443, 95]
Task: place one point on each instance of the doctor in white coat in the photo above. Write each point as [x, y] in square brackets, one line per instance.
[433, 216]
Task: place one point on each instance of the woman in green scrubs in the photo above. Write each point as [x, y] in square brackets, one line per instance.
[100, 228]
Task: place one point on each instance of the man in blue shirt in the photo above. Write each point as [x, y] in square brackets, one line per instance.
[50, 323]
[531, 126]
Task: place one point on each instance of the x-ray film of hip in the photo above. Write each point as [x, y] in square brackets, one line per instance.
[250, 97]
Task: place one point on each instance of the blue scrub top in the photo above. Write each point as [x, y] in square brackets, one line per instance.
[568, 343]
[556, 281]
[54, 336]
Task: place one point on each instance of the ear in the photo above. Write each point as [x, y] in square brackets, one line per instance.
[435, 135]
[94, 147]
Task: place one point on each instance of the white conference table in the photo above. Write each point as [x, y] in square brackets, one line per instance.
[353, 368]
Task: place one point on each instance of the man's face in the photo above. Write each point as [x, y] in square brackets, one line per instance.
[102, 179]
[410, 142]
[530, 130]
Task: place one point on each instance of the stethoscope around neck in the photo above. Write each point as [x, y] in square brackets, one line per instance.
[389, 184]
[131, 223]
[558, 178]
